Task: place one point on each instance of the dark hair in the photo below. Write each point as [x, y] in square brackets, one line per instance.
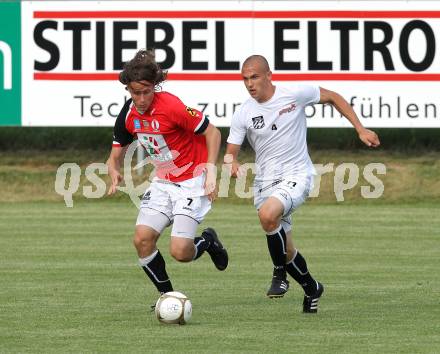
[143, 67]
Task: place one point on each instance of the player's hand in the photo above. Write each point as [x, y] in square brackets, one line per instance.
[369, 138]
[116, 178]
[233, 166]
[236, 170]
[211, 183]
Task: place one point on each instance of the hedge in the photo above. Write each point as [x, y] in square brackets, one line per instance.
[45, 138]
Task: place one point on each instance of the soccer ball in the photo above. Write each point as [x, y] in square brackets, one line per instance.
[173, 308]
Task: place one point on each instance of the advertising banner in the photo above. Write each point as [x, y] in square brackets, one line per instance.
[381, 56]
[10, 67]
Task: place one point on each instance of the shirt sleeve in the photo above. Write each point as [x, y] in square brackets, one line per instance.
[237, 132]
[189, 119]
[121, 136]
[308, 94]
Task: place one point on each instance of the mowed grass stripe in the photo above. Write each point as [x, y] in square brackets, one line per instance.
[70, 282]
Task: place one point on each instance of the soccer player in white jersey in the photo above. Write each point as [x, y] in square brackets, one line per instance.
[274, 122]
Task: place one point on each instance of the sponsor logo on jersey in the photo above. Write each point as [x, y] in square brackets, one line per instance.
[274, 127]
[191, 111]
[147, 196]
[155, 125]
[289, 109]
[145, 124]
[137, 124]
[258, 122]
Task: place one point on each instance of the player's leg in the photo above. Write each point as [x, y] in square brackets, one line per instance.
[297, 189]
[154, 216]
[270, 214]
[297, 268]
[182, 246]
[185, 246]
[149, 226]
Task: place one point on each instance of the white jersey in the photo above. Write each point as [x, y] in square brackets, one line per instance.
[277, 131]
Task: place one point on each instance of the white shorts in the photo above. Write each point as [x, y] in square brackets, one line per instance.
[291, 191]
[182, 203]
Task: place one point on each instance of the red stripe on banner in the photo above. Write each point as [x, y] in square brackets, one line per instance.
[237, 77]
[75, 76]
[236, 14]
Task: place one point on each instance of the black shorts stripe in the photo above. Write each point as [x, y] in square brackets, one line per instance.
[188, 217]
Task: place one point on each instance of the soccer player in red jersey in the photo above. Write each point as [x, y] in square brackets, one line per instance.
[183, 146]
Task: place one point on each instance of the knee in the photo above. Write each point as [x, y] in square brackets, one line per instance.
[180, 254]
[267, 220]
[141, 240]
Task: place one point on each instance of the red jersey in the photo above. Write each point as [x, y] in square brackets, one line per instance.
[170, 133]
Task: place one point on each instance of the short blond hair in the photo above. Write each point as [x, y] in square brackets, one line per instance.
[259, 59]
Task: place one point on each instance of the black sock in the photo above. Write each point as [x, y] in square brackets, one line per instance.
[155, 269]
[201, 244]
[276, 242]
[297, 268]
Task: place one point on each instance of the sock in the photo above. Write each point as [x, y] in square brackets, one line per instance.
[297, 268]
[276, 242]
[154, 266]
[201, 244]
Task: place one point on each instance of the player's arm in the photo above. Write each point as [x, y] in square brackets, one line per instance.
[121, 139]
[230, 157]
[213, 139]
[367, 136]
[114, 163]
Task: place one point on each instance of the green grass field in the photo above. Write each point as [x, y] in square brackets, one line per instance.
[70, 282]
